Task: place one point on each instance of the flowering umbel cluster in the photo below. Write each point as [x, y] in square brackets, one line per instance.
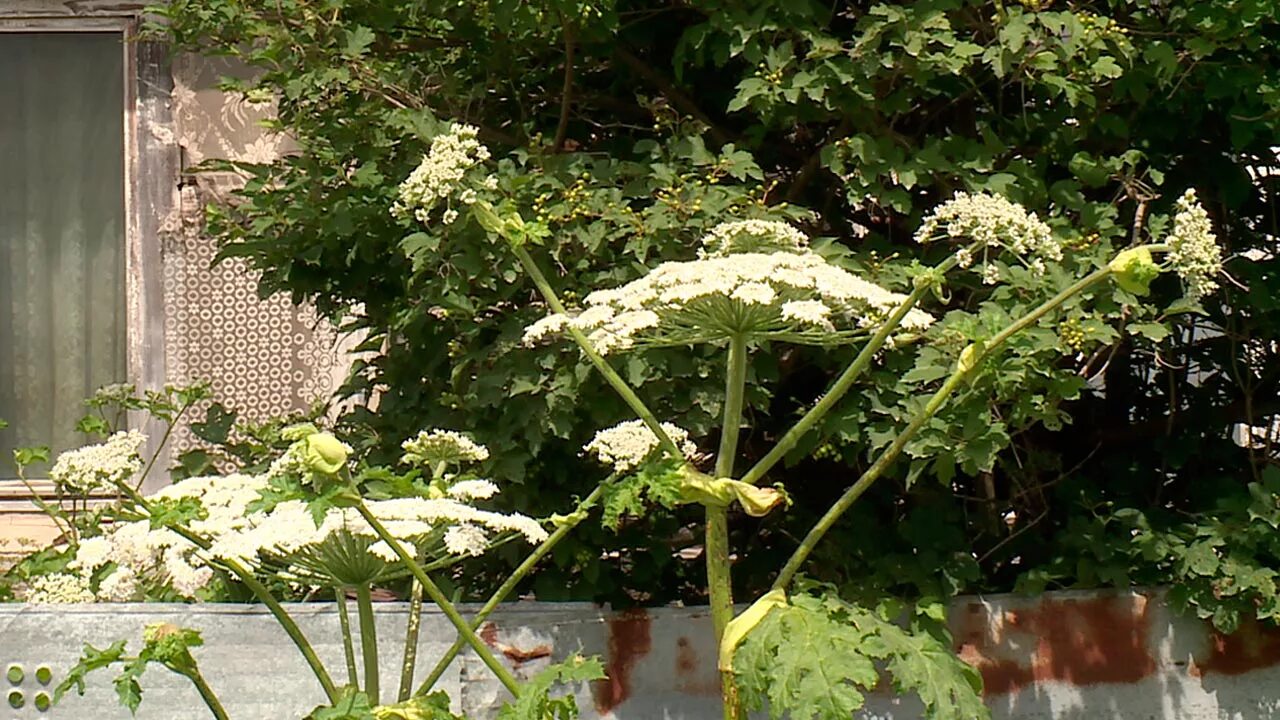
[991, 223]
[98, 467]
[753, 278]
[627, 445]
[1193, 248]
[300, 542]
[432, 447]
[443, 175]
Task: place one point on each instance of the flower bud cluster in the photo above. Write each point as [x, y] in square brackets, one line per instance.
[98, 467]
[1193, 248]
[991, 223]
[443, 175]
[625, 446]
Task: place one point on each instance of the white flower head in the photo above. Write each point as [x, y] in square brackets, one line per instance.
[990, 222]
[59, 589]
[758, 236]
[473, 490]
[443, 173]
[1193, 248]
[626, 445]
[98, 467]
[755, 278]
[467, 540]
[432, 447]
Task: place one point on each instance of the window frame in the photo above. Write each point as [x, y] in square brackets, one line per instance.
[152, 170]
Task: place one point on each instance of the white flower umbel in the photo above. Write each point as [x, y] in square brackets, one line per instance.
[753, 278]
[473, 490]
[1193, 247]
[466, 540]
[59, 589]
[432, 447]
[626, 445]
[289, 536]
[991, 223]
[159, 557]
[442, 174]
[98, 467]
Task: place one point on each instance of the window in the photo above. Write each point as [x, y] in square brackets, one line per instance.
[88, 176]
[63, 327]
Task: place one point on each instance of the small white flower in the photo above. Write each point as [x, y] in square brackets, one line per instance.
[99, 467]
[449, 216]
[473, 490]
[990, 221]
[990, 274]
[626, 445]
[432, 447]
[59, 589]
[1193, 248]
[754, 293]
[466, 540]
[442, 173]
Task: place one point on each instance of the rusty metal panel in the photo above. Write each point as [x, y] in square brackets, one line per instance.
[1065, 656]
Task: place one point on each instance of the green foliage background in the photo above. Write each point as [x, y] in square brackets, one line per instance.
[633, 126]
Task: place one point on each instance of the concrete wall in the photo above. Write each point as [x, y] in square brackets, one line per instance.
[1067, 656]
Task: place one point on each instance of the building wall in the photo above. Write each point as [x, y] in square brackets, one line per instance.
[188, 319]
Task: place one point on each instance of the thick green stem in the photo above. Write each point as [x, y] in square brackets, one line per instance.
[720, 588]
[719, 570]
[410, 661]
[965, 368]
[259, 590]
[368, 643]
[840, 387]
[611, 376]
[438, 597]
[510, 584]
[348, 647]
[206, 694]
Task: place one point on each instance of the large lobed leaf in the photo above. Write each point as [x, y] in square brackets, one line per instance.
[815, 658]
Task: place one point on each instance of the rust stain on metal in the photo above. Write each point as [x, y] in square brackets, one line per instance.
[1251, 647]
[489, 634]
[629, 641]
[690, 677]
[518, 656]
[1081, 641]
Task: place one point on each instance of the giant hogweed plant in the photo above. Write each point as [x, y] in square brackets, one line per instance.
[312, 522]
[756, 286]
[314, 518]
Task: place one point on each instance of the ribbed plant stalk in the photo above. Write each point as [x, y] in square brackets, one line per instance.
[368, 643]
[410, 662]
[348, 646]
[437, 596]
[841, 385]
[611, 376]
[206, 693]
[259, 590]
[510, 584]
[965, 368]
[719, 570]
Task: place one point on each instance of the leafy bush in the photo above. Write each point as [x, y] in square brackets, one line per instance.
[630, 128]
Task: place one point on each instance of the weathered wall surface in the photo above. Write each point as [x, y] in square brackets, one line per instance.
[1066, 656]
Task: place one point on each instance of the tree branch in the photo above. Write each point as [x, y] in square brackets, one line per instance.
[674, 95]
[566, 96]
